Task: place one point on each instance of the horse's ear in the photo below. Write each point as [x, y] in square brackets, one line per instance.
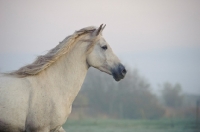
[100, 29]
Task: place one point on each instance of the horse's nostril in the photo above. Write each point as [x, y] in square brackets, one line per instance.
[124, 71]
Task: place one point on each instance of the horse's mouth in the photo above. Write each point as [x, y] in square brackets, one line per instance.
[118, 77]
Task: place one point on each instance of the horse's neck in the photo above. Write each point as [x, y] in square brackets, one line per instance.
[67, 74]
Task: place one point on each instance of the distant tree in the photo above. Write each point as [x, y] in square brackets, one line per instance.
[137, 98]
[130, 98]
[172, 95]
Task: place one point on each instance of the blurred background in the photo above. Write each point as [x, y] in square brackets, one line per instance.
[157, 40]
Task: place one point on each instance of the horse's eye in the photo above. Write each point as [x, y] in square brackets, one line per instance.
[104, 47]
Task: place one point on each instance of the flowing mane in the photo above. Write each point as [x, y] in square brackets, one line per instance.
[44, 61]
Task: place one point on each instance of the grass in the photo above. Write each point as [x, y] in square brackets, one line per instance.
[162, 125]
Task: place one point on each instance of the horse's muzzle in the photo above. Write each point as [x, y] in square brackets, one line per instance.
[119, 72]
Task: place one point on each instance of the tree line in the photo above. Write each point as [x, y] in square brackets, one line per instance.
[131, 98]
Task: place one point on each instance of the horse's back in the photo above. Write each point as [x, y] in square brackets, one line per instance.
[14, 96]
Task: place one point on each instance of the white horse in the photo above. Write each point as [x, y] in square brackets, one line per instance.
[38, 97]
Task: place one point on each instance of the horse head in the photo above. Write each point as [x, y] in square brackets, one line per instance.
[102, 57]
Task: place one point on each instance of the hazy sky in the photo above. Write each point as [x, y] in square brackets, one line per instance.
[142, 32]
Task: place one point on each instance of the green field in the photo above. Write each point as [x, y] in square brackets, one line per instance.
[162, 125]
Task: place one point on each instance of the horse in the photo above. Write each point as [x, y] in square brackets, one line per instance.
[38, 97]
